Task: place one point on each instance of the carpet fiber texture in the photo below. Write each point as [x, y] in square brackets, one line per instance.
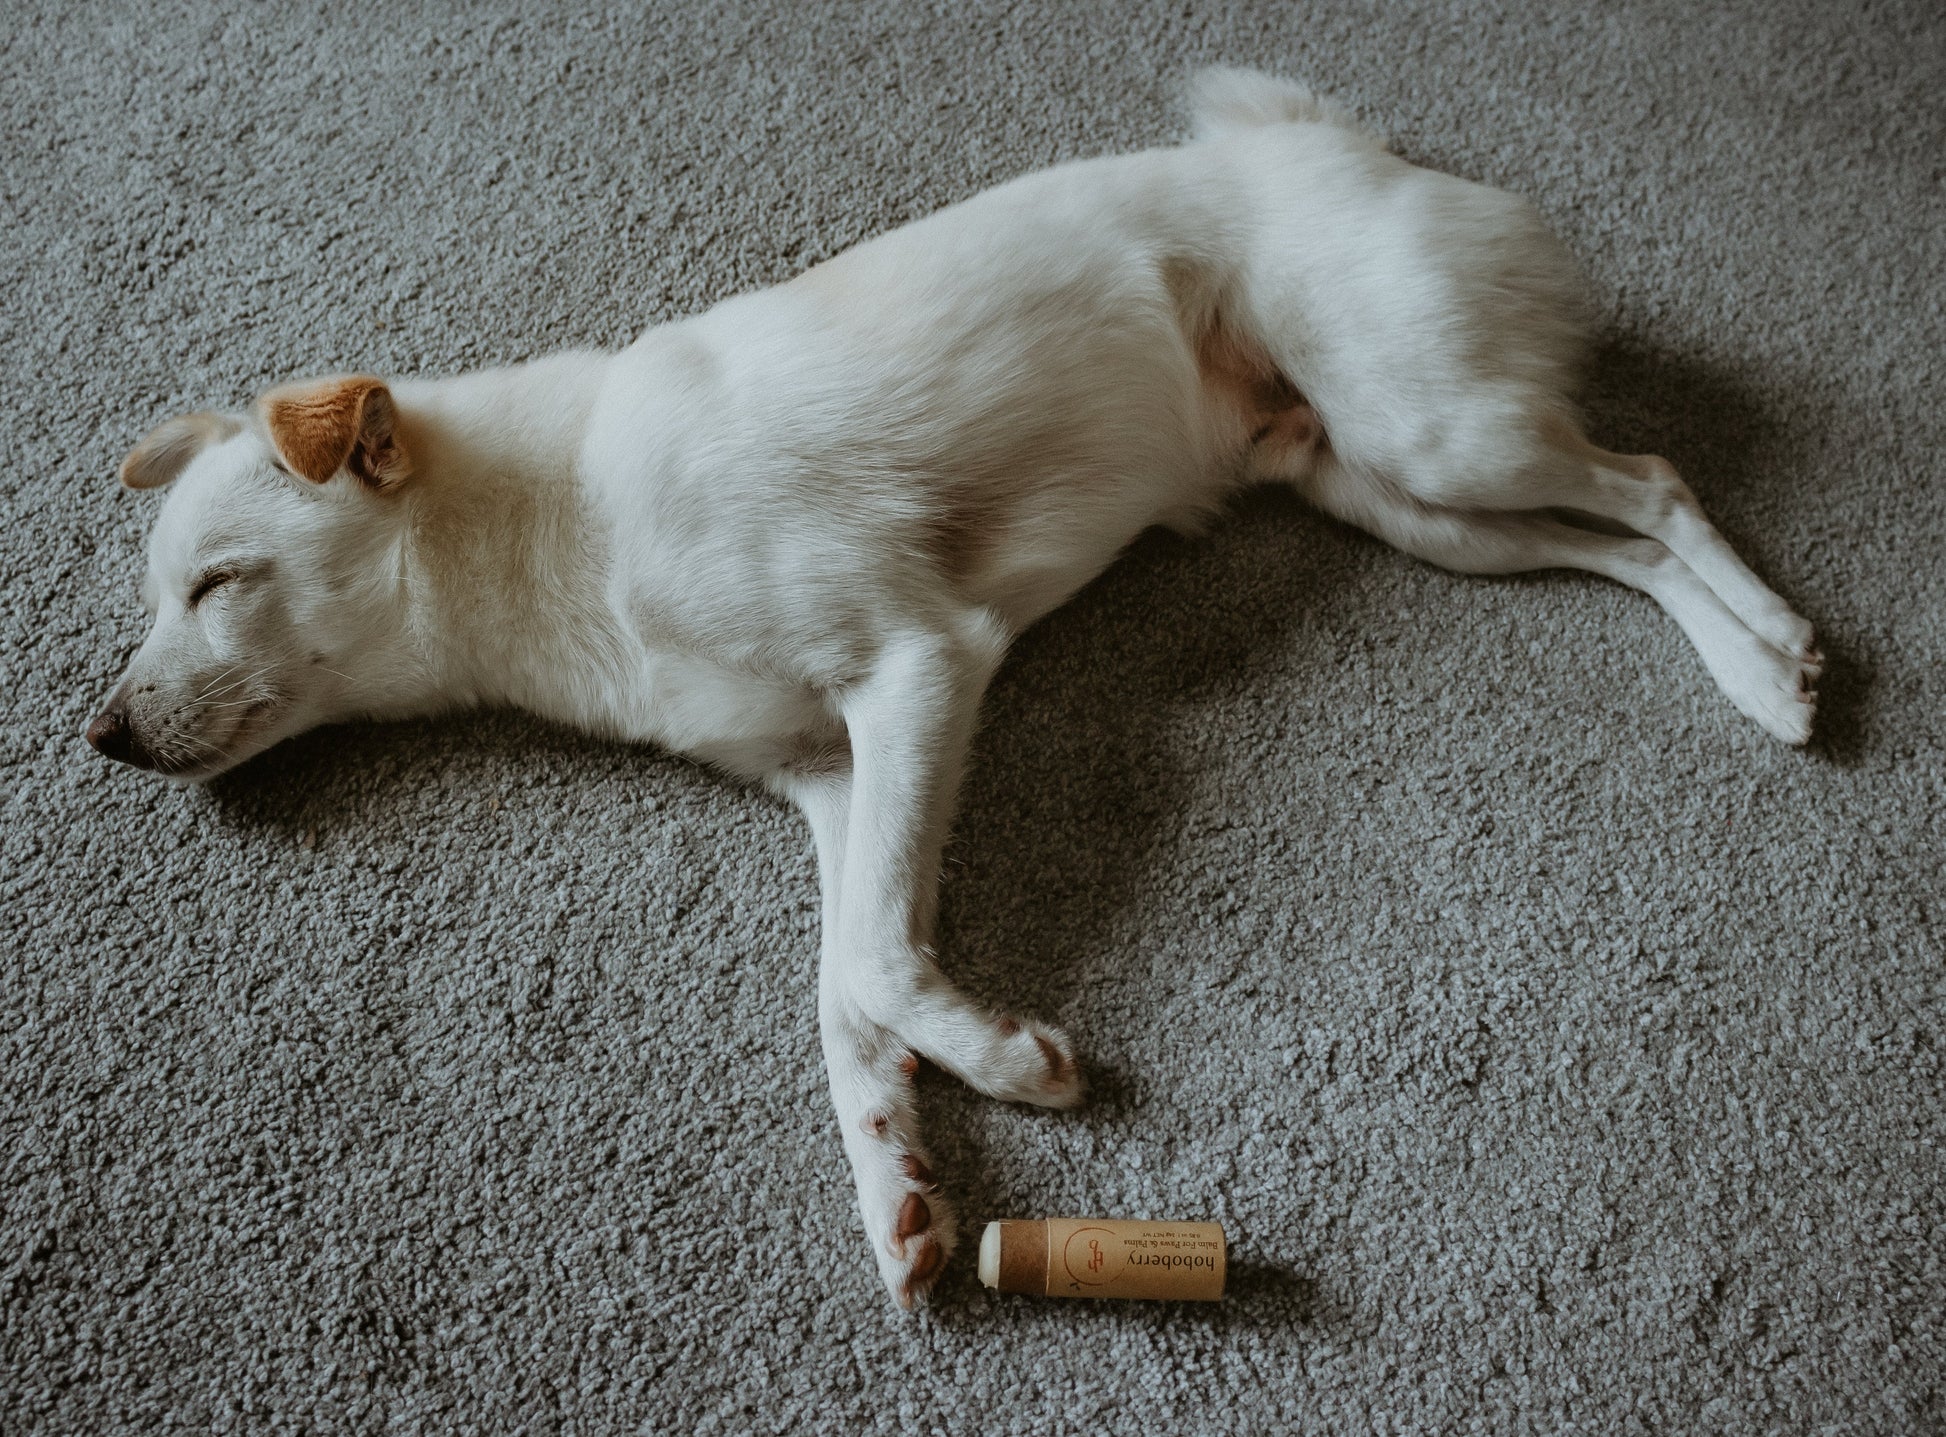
[1561, 1054]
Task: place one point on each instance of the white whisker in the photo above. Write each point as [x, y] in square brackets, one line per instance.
[216, 682]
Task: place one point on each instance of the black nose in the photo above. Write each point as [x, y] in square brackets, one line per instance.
[111, 735]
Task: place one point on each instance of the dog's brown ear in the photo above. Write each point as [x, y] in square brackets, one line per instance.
[325, 425]
[169, 447]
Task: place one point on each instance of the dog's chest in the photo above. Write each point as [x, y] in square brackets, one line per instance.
[749, 725]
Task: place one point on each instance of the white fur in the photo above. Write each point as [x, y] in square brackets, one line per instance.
[794, 535]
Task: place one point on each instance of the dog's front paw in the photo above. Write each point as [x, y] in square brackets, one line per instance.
[1004, 1057]
[912, 1228]
[1032, 1064]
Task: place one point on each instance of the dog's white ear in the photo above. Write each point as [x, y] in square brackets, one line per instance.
[169, 447]
[322, 426]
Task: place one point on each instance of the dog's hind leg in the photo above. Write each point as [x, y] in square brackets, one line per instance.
[1561, 469]
[1644, 492]
[1762, 680]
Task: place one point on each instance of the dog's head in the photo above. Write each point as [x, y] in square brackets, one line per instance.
[267, 578]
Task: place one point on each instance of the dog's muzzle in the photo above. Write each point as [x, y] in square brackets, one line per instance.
[113, 736]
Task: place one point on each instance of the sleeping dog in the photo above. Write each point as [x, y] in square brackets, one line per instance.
[793, 536]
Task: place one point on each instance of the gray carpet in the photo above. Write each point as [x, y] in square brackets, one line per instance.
[1562, 1054]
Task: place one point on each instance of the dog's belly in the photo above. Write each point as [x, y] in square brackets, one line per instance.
[1043, 553]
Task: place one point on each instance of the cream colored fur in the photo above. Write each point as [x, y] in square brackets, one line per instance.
[793, 536]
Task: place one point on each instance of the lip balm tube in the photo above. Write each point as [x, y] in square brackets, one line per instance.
[1099, 1257]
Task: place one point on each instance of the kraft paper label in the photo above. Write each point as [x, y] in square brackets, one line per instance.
[1096, 1258]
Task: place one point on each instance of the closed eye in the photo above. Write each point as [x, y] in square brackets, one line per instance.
[211, 580]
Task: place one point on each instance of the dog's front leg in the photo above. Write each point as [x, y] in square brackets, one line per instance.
[882, 1001]
[910, 724]
[910, 1226]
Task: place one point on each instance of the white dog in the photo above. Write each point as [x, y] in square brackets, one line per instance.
[793, 536]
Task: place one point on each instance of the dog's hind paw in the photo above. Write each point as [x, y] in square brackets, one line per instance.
[1788, 703]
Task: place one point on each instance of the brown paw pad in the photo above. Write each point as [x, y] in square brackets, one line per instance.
[875, 1124]
[914, 1217]
[1059, 1064]
[925, 1267]
[1008, 1027]
[918, 1172]
[909, 1063]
